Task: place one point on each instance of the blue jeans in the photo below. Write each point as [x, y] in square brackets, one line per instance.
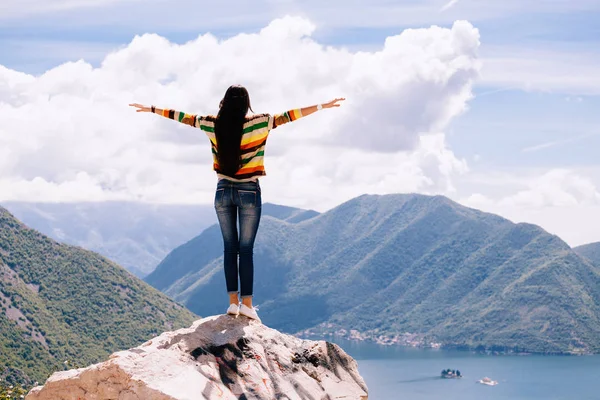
[243, 199]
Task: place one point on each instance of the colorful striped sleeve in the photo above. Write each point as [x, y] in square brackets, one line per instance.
[207, 125]
[284, 118]
[188, 119]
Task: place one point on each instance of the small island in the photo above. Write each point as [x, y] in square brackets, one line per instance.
[451, 374]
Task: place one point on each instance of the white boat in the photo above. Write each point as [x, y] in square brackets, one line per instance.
[487, 381]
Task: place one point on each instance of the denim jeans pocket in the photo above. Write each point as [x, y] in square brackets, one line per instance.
[249, 198]
[219, 197]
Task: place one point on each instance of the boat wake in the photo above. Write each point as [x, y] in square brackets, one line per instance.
[424, 379]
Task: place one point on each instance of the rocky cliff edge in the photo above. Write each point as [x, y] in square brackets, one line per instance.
[219, 357]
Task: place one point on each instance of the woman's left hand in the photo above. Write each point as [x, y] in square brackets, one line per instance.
[333, 103]
[141, 108]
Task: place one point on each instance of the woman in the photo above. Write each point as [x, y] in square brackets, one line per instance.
[238, 145]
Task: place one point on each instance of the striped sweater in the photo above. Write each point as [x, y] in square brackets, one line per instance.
[254, 139]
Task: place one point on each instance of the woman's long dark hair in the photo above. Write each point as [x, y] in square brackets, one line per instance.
[229, 128]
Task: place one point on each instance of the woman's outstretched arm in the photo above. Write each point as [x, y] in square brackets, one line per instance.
[182, 117]
[292, 115]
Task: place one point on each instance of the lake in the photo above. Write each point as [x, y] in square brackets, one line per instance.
[413, 374]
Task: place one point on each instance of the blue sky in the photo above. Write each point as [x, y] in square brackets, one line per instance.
[535, 105]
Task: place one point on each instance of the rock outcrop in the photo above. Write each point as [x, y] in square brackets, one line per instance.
[220, 357]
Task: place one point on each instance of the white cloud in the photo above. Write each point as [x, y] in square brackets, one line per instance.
[564, 202]
[414, 85]
[556, 188]
[558, 68]
[332, 175]
[68, 134]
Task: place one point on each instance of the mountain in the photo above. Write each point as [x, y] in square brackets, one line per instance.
[62, 303]
[208, 246]
[390, 266]
[135, 235]
[590, 251]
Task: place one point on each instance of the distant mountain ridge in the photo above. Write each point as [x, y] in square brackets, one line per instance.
[590, 251]
[205, 247]
[386, 265]
[135, 235]
[60, 303]
[289, 214]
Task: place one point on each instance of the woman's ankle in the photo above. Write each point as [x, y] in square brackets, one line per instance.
[233, 299]
[247, 301]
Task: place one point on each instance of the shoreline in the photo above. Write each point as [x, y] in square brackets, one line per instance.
[414, 340]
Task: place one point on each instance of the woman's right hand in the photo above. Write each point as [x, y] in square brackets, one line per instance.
[141, 108]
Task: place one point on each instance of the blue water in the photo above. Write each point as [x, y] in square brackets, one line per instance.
[412, 374]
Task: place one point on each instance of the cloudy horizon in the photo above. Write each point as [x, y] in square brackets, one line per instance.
[442, 98]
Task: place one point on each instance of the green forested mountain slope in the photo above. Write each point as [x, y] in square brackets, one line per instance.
[62, 303]
[386, 265]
